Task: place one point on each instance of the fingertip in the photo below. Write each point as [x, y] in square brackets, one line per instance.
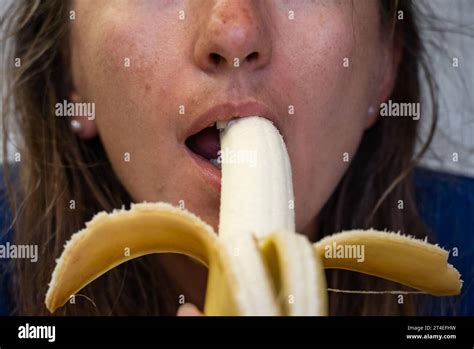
[188, 309]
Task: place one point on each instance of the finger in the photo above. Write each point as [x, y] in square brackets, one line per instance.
[188, 309]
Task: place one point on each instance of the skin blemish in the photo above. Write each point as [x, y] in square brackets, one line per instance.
[229, 16]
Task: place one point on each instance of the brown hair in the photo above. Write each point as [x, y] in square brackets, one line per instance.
[57, 167]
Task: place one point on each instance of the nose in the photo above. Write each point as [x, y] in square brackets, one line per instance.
[233, 36]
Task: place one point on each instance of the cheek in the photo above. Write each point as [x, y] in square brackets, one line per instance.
[125, 60]
[122, 68]
[320, 156]
[330, 99]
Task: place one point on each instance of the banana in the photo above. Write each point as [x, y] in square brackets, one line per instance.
[257, 264]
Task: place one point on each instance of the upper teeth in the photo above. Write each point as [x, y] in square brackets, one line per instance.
[221, 124]
[212, 125]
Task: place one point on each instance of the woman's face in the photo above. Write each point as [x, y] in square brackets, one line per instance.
[154, 68]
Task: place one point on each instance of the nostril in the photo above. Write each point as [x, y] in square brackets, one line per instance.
[252, 57]
[215, 58]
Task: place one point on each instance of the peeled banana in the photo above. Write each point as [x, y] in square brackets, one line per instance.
[257, 264]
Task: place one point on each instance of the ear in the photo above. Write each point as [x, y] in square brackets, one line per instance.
[387, 77]
[82, 126]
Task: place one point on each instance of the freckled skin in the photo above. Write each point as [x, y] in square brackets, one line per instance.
[300, 63]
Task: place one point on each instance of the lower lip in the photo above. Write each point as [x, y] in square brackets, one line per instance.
[211, 173]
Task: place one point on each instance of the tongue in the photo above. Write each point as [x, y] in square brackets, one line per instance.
[205, 143]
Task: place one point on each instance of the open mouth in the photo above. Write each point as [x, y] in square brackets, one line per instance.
[206, 144]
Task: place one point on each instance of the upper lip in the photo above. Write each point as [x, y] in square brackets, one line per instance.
[227, 111]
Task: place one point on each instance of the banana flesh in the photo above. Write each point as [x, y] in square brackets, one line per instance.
[257, 264]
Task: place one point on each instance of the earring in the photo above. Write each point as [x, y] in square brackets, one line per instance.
[371, 110]
[75, 126]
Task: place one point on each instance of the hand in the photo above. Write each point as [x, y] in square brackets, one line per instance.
[188, 309]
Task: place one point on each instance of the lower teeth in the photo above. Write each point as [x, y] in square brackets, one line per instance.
[215, 162]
